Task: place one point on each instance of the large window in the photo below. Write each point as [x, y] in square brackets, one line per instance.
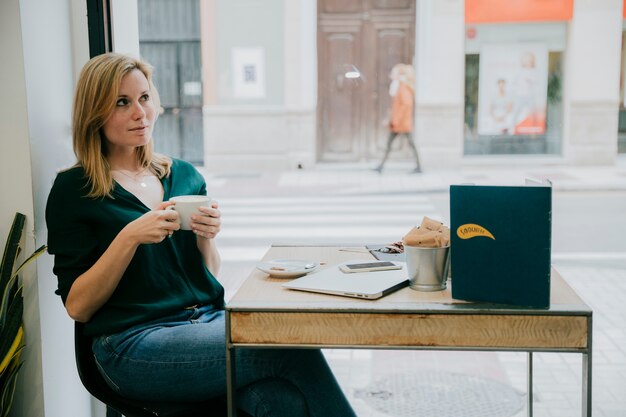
[513, 79]
[235, 76]
[508, 141]
[169, 39]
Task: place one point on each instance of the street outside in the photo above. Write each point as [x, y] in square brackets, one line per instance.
[351, 204]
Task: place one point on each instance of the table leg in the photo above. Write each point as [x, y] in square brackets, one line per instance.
[230, 371]
[586, 385]
[529, 389]
[586, 380]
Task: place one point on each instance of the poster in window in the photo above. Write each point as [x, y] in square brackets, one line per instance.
[513, 89]
[248, 72]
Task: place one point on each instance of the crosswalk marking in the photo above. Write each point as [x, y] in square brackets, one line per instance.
[588, 256]
[358, 232]
[250, 225]
[349, 199]
[320, 209]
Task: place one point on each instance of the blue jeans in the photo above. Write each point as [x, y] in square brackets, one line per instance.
[183, 358]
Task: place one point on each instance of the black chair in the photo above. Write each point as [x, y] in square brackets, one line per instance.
[118, 405]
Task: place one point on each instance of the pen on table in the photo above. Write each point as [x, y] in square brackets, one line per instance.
[357, 250]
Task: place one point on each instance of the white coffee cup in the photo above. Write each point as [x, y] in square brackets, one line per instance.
[186, 206]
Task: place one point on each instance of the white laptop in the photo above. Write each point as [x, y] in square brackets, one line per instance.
[368, 285]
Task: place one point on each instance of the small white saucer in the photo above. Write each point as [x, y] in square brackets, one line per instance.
[288, 268]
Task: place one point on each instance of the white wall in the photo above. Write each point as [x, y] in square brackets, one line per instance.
[277, 132]
[125, 28]
[591, 89]
[37, 74]
[16, 193]
[300, 82]
[440, 71]
[300, 29]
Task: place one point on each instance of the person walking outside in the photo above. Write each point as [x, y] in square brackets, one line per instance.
[402, 91]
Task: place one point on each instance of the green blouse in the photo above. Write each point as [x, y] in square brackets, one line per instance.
[160, 279]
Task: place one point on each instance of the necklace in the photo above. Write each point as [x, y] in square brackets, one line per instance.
[134, 177]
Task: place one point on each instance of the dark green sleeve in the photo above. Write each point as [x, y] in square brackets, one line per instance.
[71, 238]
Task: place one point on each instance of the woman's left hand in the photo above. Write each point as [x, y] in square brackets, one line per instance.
[208, 222]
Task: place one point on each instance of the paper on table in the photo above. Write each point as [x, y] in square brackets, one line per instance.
[430, 234]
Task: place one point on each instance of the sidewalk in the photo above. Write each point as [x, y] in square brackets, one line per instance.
[357, 178]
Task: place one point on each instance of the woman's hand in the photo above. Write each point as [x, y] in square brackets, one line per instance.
[208, 222]
[93, 288]
[206, 225]
[154, 226]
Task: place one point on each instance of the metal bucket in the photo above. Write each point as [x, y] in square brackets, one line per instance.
[427, 267]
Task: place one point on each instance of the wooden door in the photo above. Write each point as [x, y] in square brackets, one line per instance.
[359, 41]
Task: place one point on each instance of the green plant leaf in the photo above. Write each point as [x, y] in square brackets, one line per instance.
[10, 331]
[7, 380]
[5, 303]
[11, 312]
[13, 361]
[6, 293]
[8, 390]
[11, 250]
[31, 258]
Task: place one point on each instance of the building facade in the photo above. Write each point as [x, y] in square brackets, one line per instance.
[288, 84]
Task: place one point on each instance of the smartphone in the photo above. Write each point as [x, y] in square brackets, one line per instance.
[369, 266]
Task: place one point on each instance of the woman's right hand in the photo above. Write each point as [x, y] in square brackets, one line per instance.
[154, 226]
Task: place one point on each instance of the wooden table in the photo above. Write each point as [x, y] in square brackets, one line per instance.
[264, 314]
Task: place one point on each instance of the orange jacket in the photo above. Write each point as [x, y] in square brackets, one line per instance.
[401, 120]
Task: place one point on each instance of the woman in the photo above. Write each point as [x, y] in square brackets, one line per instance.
[401, 90]
[147, 291]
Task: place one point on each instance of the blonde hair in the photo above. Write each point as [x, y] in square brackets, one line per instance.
[406, 74]
[96, 94]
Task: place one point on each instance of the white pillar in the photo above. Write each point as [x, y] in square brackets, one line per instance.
[125, 27]
[440, 71]
[591, 93]
[300, 84]
[272, 132]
